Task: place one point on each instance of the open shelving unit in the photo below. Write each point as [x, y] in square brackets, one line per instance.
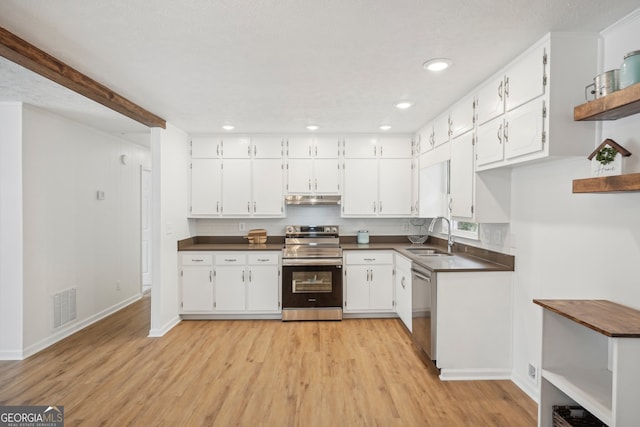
[616, 105]
[590, 353]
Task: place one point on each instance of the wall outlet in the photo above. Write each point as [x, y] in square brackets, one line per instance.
[532, 371]
[241, 226]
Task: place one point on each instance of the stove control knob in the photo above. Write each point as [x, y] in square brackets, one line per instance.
[334, 230]
[289, 229]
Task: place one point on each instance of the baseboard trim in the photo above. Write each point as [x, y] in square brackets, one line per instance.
[271, 316]
[11, 355]
[159, 332]
[76, 327]
[525, 385]
[474, 374]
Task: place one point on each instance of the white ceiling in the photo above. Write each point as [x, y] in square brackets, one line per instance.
[277, 65]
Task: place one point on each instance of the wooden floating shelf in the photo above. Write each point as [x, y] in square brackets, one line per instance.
[616, 105]
[608, 184]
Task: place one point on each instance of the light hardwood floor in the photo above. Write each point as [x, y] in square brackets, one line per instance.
[358, 372]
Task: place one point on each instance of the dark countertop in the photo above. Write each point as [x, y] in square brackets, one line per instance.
[456, 262]
[463, 259]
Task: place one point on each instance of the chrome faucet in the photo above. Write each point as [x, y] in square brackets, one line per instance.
[449, 237]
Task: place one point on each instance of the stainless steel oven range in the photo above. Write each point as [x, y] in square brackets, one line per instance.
[312, 273]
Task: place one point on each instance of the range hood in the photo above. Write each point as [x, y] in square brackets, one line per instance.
[311, 200]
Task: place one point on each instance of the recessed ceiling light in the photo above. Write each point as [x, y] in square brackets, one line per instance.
[438, 64]
[385, 127]
[403, 105]
[228, 127]
[312, 127]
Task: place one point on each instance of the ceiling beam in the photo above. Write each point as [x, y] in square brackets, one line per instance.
[27, 55]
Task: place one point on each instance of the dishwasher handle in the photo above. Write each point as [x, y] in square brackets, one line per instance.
[421, 274]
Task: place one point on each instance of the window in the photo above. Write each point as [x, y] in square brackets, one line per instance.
[468, 230]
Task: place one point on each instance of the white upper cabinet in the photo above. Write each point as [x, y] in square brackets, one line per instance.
[441, 130]
[526, 80]
[360, 147]
[206, 189]
[267, 187]
[309, 147]
[490, 100]
[242, 178]
[326, 147]
[490, 144]
[399, 147]
[462, 117]
[462, 177]
[389, 147]
[524, 112]
[299, 147]
[267, 147]
[205, 147]
[236, 187]
[433, 184]
[524, 129]
[236, 147]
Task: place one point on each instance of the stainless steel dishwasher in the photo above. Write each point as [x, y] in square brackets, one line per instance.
[423, 301]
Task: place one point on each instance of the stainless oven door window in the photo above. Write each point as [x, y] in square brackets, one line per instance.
[305, 282]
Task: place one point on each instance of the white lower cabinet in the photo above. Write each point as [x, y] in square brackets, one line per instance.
[230, 283]
[368, 282]
[473, 318]
[196, 282]
[403, 290]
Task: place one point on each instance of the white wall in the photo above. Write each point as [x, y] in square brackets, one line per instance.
[71, 239]
[574, 245]
[318, 215]
[170, 159]
[11, 231]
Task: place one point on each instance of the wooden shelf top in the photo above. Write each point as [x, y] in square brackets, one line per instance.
[616, 105]
[606, 317]
[608, 184]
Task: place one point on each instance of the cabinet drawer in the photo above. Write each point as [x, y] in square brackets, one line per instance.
[231, 258]
[368, 257]
[264, 259]
[197, 259]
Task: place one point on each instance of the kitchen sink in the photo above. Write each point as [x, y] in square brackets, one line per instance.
[427, 252]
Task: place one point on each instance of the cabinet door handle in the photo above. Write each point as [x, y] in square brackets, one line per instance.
[217, 207]
[500, 134]
[315, 184]
[506, 87]
[506, 132]
[402, 282]
[230, 260]
[374, 207]
[316, 151]
[243, 275]
[380, 210]
[210, 276]
[255, 151]
[309, 184]
[197, 259]
[500, 90]
[254, 207]
[368, 272]
[372, 275]
[309, 150]
[249, 275]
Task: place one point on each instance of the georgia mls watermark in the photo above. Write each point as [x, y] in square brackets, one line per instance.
[31, 416]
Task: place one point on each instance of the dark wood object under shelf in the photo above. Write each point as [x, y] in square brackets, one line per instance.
[622, 103]
[607, 184]
[606, 317]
